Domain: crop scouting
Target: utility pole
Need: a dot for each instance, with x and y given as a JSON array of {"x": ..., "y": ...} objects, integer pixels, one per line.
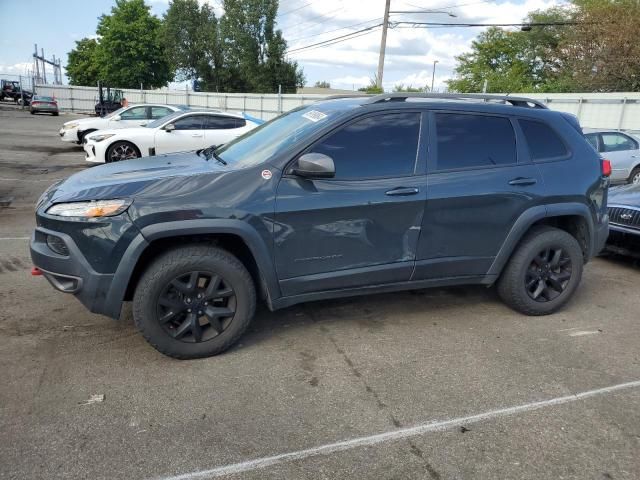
[
  {"x": 433, "y": 75},
  {"x": 383, "y": 44}
]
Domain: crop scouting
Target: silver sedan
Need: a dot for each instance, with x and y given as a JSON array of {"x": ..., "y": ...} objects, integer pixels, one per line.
[{"x": 622, "y": 150}]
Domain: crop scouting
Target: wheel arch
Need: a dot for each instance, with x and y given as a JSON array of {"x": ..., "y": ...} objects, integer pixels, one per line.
[
  {"x": 574, "y": 218},
  {"x": 235, "y": 236}
]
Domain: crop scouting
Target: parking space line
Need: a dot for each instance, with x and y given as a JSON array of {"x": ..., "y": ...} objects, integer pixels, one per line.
[
  {"x": 394, "y": 435},
  {"x": 581, "y": 333},
  {"x": 14, "y": 238},
  {"x": 2, "y": 179}
]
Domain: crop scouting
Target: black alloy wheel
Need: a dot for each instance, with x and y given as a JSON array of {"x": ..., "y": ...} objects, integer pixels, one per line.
[
  {"x": 196, "y": 306},
  {"x": 548, "y": 274}
]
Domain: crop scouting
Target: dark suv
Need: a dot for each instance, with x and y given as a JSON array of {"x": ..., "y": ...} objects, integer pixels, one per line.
[{"x": 347, "y": 196}]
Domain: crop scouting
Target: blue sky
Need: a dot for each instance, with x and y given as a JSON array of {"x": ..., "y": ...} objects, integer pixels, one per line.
[{"x": 349, "y": 64}]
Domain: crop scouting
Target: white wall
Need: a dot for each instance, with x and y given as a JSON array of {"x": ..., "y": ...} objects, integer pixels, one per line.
[{"x": 595, "y": 110}]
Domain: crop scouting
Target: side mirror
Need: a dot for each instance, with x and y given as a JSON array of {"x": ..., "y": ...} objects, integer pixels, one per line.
[
  {"x": 116, "y": 118},
  {"x": 314, "y": 165},
  {"x": 169, "y": 128}
]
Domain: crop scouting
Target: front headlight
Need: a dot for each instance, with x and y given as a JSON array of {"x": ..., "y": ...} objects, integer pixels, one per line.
[
  {"x": 93, "y": 209},
  {"x": 69, "y": 126},
  {"x": 99, "y": 138}
]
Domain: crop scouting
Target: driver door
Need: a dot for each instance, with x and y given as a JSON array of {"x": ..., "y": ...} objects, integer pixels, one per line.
[
  {"x": 187, "y": 135},
  {"x": 360, "y": 227}
]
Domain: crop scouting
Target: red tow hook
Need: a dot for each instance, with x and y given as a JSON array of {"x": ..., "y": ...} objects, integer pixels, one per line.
[{"x": 35, "y": 271}]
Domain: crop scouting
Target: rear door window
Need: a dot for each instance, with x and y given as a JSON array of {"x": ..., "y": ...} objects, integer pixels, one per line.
[
  {"x": 159, "y": 112},
  {"x": 543, "y": 142},
  {"x": 472, "y": 141},
  {"x": 377, "y": 146},
  {"x": 222, "y": 122},
  {"x": 617, "y": 142}
]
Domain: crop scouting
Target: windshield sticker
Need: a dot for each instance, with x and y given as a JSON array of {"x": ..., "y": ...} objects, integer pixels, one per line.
[{"x": 314, "y": 115}]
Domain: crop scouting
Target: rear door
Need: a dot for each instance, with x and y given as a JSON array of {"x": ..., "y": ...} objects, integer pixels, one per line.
[
  {"x": 220, "y": 129},
  {"x": 480, "y": 180},
  {"x": 360, "y": 227},
  {"x": 187, "y": 135}
]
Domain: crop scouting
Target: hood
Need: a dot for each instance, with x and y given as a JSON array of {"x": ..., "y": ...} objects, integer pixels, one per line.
[
  {"x": 81, "y": 121},
  {"x": 119, "y": 131},
  {"x": 625, "y": 195},
  {"x": 128, "y": 178}
]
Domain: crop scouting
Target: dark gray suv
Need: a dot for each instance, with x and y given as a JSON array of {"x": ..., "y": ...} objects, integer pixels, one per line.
[{"x": 344, "y": 197}]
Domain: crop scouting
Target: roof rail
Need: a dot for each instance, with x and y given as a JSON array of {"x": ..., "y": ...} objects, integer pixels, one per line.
[
  {"x": 515, "y": 101},
  {"x": 344, "y": 95}
]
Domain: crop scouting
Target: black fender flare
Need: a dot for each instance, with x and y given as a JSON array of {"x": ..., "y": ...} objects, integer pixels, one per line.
[
  {"x": 533, "y": 215},
  {"x": 148, "y": 234}
]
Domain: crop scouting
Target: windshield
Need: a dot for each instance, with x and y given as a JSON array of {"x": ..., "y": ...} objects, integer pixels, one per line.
[
  {"x": 163, "y": 120},
  {"x": 273, "y": 137}
]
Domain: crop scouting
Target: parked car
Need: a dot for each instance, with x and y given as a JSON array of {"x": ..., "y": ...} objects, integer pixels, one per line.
[
  {"x": 343, "y": 197},
  {"x": 41, "y": 103},
  {"x": 622, "y": 150},
  {"x": 126, "y": 117},
  {"x": 624, "y": 218},
  {"x": 180, "y": 131}
]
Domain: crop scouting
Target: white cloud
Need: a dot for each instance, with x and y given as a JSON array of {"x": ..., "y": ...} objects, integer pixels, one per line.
[{"x": 410, "y": 51}]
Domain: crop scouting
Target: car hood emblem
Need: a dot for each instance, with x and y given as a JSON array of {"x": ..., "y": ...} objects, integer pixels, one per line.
[{"x": 626, "y": 216}]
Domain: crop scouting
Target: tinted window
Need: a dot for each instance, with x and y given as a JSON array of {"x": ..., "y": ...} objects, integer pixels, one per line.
[
  {"x": 159, "y": 112},
  {"x": 134, "y": 113},
  {"x": 474, "y": 141},
  {"x": 191, "y": 122},
  {"x": 616, "y": 142},
  {"x": 220, "y": 122},
  {"x": 543, "y": 142},
  {"x": 593, "y": 140},
  {"x": 379, "y": 146}
]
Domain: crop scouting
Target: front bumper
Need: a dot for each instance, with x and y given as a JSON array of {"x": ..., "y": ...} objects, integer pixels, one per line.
[
  {"x": 72, "y": 273},
  {"x": 92, "y": 152},
  {"x": 70, "y": 135}
]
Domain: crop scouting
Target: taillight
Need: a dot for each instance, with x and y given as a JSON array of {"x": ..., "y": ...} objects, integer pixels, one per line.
[
  {"x": 606, "y": 168},
  {"x": 35, "y": 103}
]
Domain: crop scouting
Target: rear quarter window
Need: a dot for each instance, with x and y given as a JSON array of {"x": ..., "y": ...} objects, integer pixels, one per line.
[{"x": 543, "y": 142}]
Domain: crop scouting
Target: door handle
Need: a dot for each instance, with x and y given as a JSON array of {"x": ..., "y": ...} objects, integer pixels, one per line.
[
  {"x": 196, "y": 134},
  {"x": 402, "y": 191},
  {"x": 522, "y": 181}
]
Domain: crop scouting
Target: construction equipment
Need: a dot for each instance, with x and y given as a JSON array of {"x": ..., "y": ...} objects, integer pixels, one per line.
[{"x": 109, "y": 100}]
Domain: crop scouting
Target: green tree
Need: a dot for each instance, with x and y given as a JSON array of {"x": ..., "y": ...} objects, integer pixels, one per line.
[
  {"x": 129, "y": 52},
  {"x": 253, "y": 50},
  {"x": 602, "y": 52},
  {"x": 322, "y": 84},
  {"x": 372, "y": 87},
  {"x": 189, "y": 35},
  {"x": 514, "y": 61},
  {"x": 82, "y": 67}
]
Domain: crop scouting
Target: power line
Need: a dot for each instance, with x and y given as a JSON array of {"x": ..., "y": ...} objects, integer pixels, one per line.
[
  {"x": 345, "y": 37},
  {"x": 448, "y": 6},
  {"x": 336, "y": 30},
  {"x": 451, "y": 25},
  {"x": 294, "y": 10}
]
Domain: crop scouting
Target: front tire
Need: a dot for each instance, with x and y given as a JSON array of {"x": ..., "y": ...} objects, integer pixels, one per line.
[
  {"x": 121, "y": 151},
  {"x": 543, "y": 273},
  {"x": 194, "y": 302}
]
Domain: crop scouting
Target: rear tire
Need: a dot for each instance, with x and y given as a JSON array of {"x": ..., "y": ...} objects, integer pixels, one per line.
[
  {"x": 198, "y": 283},
  {"x": 634, "y": 178},
  {"x": 543, "y": 272},
  {"x": 55, "y": 114}
]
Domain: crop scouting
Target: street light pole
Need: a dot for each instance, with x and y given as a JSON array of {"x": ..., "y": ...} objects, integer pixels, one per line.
[{"x": 433, "y": 75}]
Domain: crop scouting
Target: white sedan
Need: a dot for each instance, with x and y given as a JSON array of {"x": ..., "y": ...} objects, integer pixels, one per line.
[
  {"x": 126, "y": 117},
  {"x": 178, "y": 132}
]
